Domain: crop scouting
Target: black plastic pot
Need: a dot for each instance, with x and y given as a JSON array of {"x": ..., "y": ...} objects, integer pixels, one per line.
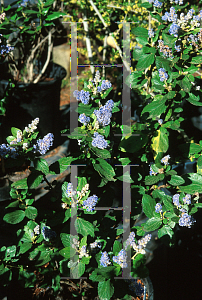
[{"x": 40, "y": 100}]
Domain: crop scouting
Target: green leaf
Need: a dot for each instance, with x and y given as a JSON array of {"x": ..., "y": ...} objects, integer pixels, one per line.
[
  {"x": 31, "y": 212},
  {"x": 176, "y": 180},
  {"x": 84, "y": 227},
  {"x": 191, "y": 189},
  {"x": 163, "y": 63},
  {"x": 168, "y": 39},
  {"x": 102, "y": 153},
  {"x": 14, "y": 217},
  {"x": 140, "y": 31},
  {"x": 24, "y": 247},
  {"x": 20, "y": 184},
  {"x": 195, "y": 100},
  {"x": 148, "y": 204},
  {"x": 165, "y": 230},
  {"x": 34, "y": 179},
  {"x": 55, "y": 15},
  {"x": 186, "y": 84},
  {"x": 124, "y": 161},
  {"x": 67, "y": 252},
  {"x": 160, "y": 142},
  {"x": 155, "y": 108},
  {"x": 105, "y": 290},
  {"x": 104, "y": 169},
  {"x": 168, "y": 204},
  {"x": 13, "y": 204},
  {"x": 145, "y": 61},
  {"x": 150, "y": 180},
  {"x": 41, "y": 164},
  {"x": 10, "y": 252},
  {"x": 95, "y": 277},
  {"x": 65, "y": 238},
  {"x": 196, "y": 60},
  {"x": 78, "y": 270},
  {"x": 152, "y": 224},
  {"x": 14, "y": 131},
  {"x": 126, "y": 178},
  {"x": 85, "y": 109},
  {"x": 133, "y": 143},
  {"x": 136, "y": 54},
  {"x": 10, "y": 138},
  {"x": 117, "y": 247}
]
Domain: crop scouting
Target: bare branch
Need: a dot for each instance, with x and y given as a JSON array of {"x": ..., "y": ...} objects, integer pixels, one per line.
[{"x": 50, "y": 47}]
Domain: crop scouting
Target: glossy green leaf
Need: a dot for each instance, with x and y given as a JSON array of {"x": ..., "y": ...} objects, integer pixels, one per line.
[
  {"x": 14, "y": 217},
  {"x": 31, "y": 212},
  {"x": 148, "y": 204},
  {"x": 152, "y": 224},
  {"x": 84, "y": 227},
  {"x": 105, "y": 290}
]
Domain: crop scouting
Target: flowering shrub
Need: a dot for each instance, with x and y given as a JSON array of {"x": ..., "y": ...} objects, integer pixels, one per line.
[{"x": 163, "y": 79}]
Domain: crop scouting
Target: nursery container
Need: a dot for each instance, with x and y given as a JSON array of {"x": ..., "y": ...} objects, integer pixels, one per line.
[{"x": 40, "y": 100}]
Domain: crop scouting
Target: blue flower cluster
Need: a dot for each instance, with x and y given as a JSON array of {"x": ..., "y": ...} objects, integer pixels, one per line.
[
  {"x": 83, "y": 96},
  {"x": 170, "y": 16},
  {"x": 99, "y": 141},
  {"x": 130, "y": 240},
  {"x": 84, "y": 119},
  {"x": 4, "y": 49},
  {"x": 106, "y": 84},
  {"x": 157, "y": 4},
  {"x": 167, "y": 52},
  {"x": 158, "y": 208},
  {"x": 162, "y": 74},
  {"x": 121, "y": 259},
  {"x": 180, "y": 2},
  {"x": 6, "y": 150},
  {"x": 187, "y": 199},
  {"x": 104, "y": 113},
  {"x": 90, "y": 203},
  {"x": 186, "y": 220},
  {"x": 160, "y": 121},
  {"x": 43, "y": 145},
  {"x": 177, "y": 47},
  {"x": 70, "y": 192},
  {"x": 174, "y": 29},
  {"x": 48, "y": 233},
  {"x": 151, "y": 33},
  {"x": 176, "y": 200},
  {"x": 104, "y": 260}
]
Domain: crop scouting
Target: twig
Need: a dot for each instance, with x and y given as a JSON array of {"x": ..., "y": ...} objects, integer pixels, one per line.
[
  {"x": 88, "y": 43},
  {"x": 31, "y": 57},
  {"x": 104, "y": 55},
  {"x": 50, "y": 47},
  {"x": 105, "y": 25}
]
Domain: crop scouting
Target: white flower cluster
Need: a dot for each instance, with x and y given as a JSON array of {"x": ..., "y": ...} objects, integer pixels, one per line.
[
  {"x": 83, "y": 191},
  {"x": 82, "y": 251},
  {"x": 36, "y": 229},
  {"x": 33, "y": 126},
  {"x": 141, "y": 244}
]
